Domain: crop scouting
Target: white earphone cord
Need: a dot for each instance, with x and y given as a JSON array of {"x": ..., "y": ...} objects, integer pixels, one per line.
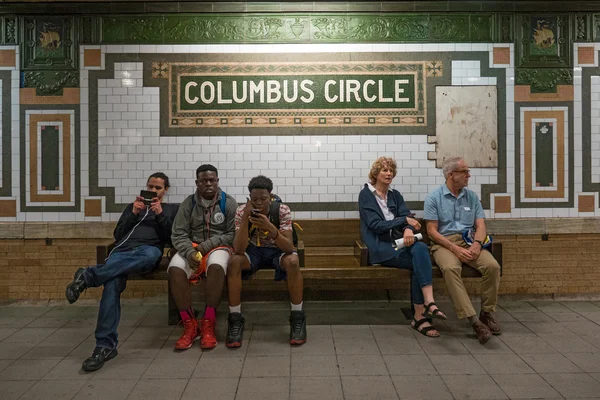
[{"x": 128, "y": 236}]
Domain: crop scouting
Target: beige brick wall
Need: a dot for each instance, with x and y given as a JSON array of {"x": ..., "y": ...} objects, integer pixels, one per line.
[{"x": 563, "y": 265}]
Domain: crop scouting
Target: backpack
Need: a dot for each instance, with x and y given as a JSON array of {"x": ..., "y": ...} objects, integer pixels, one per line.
[
  {"x": 274, "y": 217},
  {"x": 221, "y": 203}
]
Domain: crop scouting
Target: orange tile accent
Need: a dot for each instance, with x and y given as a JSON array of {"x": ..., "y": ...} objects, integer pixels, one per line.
[
  {"x": 70, "y": 96},
  {"x": 563, "y": 93},
  {"x": 8, "y": 58},
  {"x": 502, "y": 204},
  {"x": 92, "y": 58},
  {"x": 586, "y": 203},
  {"x": 585, "y": 55},
  {"x": 33, "y": 157},
  {"x": 560, "y": 157},
  {"x": 93, "y": 207},
  {"x": 501, "y": 55},
  {"x": 8, "y": 208}
]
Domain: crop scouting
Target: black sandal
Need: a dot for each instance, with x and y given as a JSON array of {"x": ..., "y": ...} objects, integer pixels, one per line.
[
  {"x": 437, "y": 313},
  {"x": 426, "y": 329}
]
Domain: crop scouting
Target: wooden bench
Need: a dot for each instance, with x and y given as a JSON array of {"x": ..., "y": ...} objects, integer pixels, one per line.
[{"x": 333, "y": 258}]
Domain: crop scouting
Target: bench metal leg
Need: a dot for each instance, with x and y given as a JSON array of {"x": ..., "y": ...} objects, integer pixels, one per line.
[{"x": 173, "y": 312}]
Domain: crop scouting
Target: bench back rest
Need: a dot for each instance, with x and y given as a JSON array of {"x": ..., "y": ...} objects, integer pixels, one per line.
[{"x": 336, "y": 232}]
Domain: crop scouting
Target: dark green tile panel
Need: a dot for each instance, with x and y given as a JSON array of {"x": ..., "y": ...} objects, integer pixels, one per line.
[
  {"x": 586, "y": 139},
  {"x": 544, "y": 80},
  {"x": 50, "y": 157},
  {"x": 544, "y": 161},
  {"x": 6, "y": 189},
  {"x": 300, "y": 28}
]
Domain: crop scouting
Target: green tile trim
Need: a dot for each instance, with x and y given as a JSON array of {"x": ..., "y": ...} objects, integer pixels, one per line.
[
  {"x": 10, "y": 32},
  {"x": 50, "y": 43},
  {"x": 586, "y": 138},
  {"x": 544, "y": 161},
  {"x": 569, "y": 176},
  {"x": 6, "y": 189},
  {"x": 299, "y": 28},
  {"x": 544, "y": 80},
  {"x": 50, "y": 83},
  {"x": 76, "y": 154}
]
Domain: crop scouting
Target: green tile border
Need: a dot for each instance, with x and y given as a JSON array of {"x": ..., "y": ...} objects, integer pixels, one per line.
[
  {"x": 76, "y": 151},
  {"x": 570, "y": 176},
  {"x": 586, "y": 129},
  {"x": 6, "y": 189}
]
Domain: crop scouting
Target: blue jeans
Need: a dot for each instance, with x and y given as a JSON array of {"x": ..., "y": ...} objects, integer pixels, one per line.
[
  {"x": 113, "y": 275},
  {"x": 417, "y": 259}
]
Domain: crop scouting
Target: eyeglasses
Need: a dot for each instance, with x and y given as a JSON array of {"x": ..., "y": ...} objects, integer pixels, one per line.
[{"x": 462, "y": 171}]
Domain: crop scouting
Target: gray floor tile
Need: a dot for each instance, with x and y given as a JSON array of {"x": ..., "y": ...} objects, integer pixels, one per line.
[
  {"x": 581, "y": 306},
  {"x": 55, "y": 390},
  {"x": 456, "y": 364},
  {"x": 549, "y": 328},
  {"x": 6, "y": 332},
  {"x": 565, "y": 316},
  {"x": 50, "y": 350},
  {"x": 164, "y": 389},
  {"x": 392, "y": 331},
  {"x": 549, "y": 305},
  {"x": 409, "y": 364},
  {"x": 167, "y": 350},
  {"x": 263, "y": 388},
  {"x": 149, "y": 334},
  {"x": 266, "y": 366},
  {"x": 5, "y": 363},
  {"x": 503, "y": 364},
  {"x": 537, "y": 316},
  {"x": 314, "y": 366},
  {"x": 123, "y": 368},
  {"x": 48, "y": 322},
  {"x": 315, "y": 347},
  {"x": 13, "y": 351},
  {"x": 81, "y": 351},
  {"x": 117, "y": 390},
  {"x": 27, "y": 370},
  {"x": 17, "y": 310},
  {"x": 316, "y": 332},
  {"x": 515, "y": 329},
  {"x": 550, "y": 363},
  {"x": 368, "y": 387},
  {"x": 581, "y": 328},
  {"x": 274, "y": 333},
  {"x": 362, "y": 365},
  {"x": 399, "y": 345},
  {"x": 363, "y": 345},
  {"x": 219, "y": 367},
  {"x": 280, "y": 347},
  {"x": 591, "y": 316},
  {"x": 83, "y": 322},
  {"x": 12, "y": 390},
  {"x": 70, "y": 335},
  {"x": 517, "y": 306},
  {"x": 525, "y": 386},
  {"x": 29, "y": 335},
  {"x": 442, "y": 345},
  {"x": 68, "y": 368},
  {"x": 473, "y": 387},
  {"x": 323, "y": 388},
  {"x": 352, "y": 331},
  {"x": 527, "y": 344},
  {"x": 170, "y": 368},
  {"x": 492, "y": 346},
  {"x": 15, "y": 322},
  {"x": 139, "y": 349},
  {"x": 573, "y": 385},
  {"x": 223, "y": 351},
  {"x": 588, "y": 362},
  {"x": 211, "y": 388},
  {"x": 421, "y": 387},
  {"x": 568, "y": 343}
]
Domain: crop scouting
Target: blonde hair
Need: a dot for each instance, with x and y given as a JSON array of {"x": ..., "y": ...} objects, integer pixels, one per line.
[{"x": 380, "y": 164}]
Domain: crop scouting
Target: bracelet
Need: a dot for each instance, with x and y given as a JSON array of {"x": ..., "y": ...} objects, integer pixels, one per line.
[
  {"x": 480, "y": 242},
  {"x": 275, "y": 238}
]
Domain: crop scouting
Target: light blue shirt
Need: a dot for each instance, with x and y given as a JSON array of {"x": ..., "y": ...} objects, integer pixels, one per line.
[{"x": 454, "y": 214}]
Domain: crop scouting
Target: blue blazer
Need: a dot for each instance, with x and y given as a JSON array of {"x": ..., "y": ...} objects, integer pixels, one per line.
[{"x": 374, "y": 229}]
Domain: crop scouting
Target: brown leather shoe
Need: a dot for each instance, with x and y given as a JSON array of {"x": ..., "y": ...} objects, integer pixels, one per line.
[
  {"x": 482, "y": 332},
  {"x": 488, "y": 319}
]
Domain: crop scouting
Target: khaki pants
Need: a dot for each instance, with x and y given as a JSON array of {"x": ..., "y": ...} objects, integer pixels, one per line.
[{"x": 451, "y": 268}]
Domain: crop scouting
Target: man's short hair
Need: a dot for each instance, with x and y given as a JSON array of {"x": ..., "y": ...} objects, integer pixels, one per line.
[
  {"x": 206, "y": 167},
  {"x": 162, "y": 176},
  {"x": 450, "y": 165},
  {"x": 260, "y": 182},
  {"x": 378, "y": 165}
]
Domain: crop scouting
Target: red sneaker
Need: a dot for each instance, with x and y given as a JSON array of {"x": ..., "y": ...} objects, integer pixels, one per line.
[
  {"x": 208, "y": 340},
  {"x": 190, "y": 335}
]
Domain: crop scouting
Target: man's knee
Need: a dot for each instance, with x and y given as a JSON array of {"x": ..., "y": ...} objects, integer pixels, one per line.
[
  {"x": 216, "y": 269},
  {"x": 236, "y": 264},
  {"x": 454, "y": 268},
  {"x": 492, "y": 268},
  {"x": 290, "y": 263},
  {"x": 116, "y": 285}
]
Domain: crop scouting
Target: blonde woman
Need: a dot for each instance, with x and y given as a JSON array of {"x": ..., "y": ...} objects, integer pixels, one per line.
[{"x": 384, "y": 217}]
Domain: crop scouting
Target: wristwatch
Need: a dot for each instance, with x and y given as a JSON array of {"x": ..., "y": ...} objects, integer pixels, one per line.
[{"x": 480, "y": 242}]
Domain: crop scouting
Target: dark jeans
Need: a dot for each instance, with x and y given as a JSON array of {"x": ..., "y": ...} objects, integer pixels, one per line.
[
  {"x": 417, "y": 259},
  {"x": 113, "y": 275}
]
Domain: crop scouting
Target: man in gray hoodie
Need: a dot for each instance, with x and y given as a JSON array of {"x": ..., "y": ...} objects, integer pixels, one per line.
[{"x": 202, "y": 234}]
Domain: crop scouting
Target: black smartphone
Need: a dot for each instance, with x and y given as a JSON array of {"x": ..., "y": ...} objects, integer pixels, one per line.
[
  {"x": 148, "y": 196},
  {"x": 255, "y": 213}
]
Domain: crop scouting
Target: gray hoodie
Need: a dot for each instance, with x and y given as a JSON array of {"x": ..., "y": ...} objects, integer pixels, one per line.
[{"x": 190, "y": 225}]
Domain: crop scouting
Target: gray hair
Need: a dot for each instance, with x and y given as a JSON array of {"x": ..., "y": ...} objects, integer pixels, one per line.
[{"x": 450, "y": 165}]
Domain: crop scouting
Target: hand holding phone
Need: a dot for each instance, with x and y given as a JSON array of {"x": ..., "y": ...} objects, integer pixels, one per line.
[{"x": 147, "y": 196}]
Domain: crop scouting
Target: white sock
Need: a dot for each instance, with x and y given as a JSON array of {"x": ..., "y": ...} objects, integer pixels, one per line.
[
  {"x": 297, "y": 307},
  {"x": 237, "y": 308}
]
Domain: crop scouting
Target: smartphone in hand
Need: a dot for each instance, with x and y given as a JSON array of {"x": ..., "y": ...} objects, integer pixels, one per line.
[{"x": 148, "y": 196}]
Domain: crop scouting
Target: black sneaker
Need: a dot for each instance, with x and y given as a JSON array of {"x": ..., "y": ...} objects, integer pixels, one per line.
[
  {"x": 99, "y": 356},
  {"x": 76, "y": 287},
  {"x": 235, "y": 330},
  {"x": 297, "y": 328}
]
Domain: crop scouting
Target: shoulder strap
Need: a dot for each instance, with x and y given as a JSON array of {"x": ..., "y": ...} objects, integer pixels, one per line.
[
  {"x": 223, "y": 202},
  {"x": 193, "y": 205},
  {"x": 274, "y": 213}
]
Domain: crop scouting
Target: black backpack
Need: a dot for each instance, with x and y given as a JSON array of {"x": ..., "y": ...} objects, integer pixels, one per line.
[{"x": 274, "y": 217}]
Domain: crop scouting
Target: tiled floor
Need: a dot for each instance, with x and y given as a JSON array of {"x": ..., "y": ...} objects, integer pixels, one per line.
[{"x": 548, "y": 350}]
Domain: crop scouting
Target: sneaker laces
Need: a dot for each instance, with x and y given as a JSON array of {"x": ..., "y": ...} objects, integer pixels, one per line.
[
  {"x": 235, "y": 327},
  {"x": 297, "y": 324}
]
